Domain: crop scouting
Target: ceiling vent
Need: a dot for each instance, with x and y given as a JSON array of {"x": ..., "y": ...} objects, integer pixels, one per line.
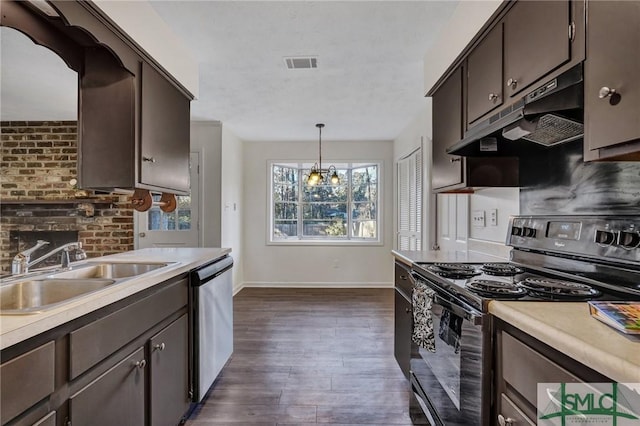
[{"x": 301, "y": 62}]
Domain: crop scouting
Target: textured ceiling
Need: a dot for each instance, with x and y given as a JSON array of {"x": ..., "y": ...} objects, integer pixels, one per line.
[{"x": 368, "y": 84}]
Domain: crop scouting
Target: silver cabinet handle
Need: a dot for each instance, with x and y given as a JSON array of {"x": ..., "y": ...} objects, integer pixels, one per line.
[
  {"x": 453, "y": 160},
  {"x": 149, "y": 159},
  {"x": 141, "y": 364},
  {"x": 505, "y": 422},
  {"x": 512, "y": 83},
  {"x": 605, "y": 92},
  {"x": 493, "y": 97},
  {"x": 160, "y": 347}
]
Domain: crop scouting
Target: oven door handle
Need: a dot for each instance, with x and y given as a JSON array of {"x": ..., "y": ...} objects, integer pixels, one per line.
[{"x": 460, "y": 309}]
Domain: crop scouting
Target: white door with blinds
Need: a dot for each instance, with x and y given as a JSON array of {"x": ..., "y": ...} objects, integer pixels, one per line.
[{"x": 410, "y": 174}]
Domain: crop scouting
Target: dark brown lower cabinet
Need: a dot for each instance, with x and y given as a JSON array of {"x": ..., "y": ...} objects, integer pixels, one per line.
[
  {"x": 402, "y": 332},
  {"x": 169, "y": 382},
  {"x": 115, "y": 398},
  {"x": 127, "y": 364},
  {"x": 521, "y": 362}
]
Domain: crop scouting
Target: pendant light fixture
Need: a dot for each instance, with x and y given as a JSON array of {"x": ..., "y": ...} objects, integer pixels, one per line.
[{"x": 316, "y": 175}]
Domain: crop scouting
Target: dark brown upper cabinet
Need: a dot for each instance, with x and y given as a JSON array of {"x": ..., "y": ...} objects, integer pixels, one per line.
[
  {"x": 537, "y": 40},
  {"x": 133, "y": 117},
  {"x": 452, "y": 173},
  {"x": 484, "y": 76},
  {"x": 447, "y": 130},
  {"x": 612, "y": 86}
]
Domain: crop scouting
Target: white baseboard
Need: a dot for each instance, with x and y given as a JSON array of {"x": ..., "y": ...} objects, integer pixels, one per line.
[{"x": 265, "y": 284}]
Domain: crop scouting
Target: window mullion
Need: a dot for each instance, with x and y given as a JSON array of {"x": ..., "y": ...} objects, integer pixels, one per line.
[
  {"x": 349, "y": 201},
  {"x": 300, "y": 219}
]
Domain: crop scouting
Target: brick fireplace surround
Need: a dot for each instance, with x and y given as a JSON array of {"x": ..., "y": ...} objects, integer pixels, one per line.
[{"x": 38, "y": 160}]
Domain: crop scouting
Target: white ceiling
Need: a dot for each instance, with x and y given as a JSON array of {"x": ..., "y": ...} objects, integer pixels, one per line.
[{"x": 368, "y": 85}]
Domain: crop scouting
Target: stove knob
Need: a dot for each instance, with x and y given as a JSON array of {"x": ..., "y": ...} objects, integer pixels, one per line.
[
  {"x": 516, "y": 230},
  {"x": 628, "y": 240},
  {"x": 528, "y": 232},
  {"x": 604, "y": 237}
]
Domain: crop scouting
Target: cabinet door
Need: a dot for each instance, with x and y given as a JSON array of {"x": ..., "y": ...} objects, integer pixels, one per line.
[
  {"x": 484, "y": 76},
  {"x": 164, "y": 133},
  {"x": 169, "y": 385},
  {"x": 115, "y": 398},
  {"x": 402, "y": 332},
  {"x": 613, "y": 37},
  {"x": 536, "y": 41},
  {"x": 447, "y": 130}
]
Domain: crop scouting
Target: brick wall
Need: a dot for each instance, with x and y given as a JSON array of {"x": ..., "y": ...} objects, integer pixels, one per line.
[{"x": 38, "y": 161}]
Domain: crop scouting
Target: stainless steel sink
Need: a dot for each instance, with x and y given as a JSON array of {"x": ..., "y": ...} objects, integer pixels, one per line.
[
  {"x": 110, "y": 270},
  {"x": 32, "y": 296}
]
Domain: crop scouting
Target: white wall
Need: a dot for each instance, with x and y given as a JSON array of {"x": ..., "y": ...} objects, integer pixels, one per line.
[
  {"x": 299, "y": 265},
  {"x": 231, "y": 202},
  {"x": 417, "y": 133},
  {"x": 206, "y": 139}
]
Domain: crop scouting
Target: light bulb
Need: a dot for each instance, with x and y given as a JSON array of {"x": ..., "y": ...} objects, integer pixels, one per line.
[{"x": 335, "y": 179}]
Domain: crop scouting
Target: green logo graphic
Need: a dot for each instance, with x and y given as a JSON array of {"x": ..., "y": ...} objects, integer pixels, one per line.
[{"x": 562, "y": 404}]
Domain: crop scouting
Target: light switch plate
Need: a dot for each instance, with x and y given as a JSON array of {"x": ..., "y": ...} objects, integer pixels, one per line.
[
  {"x": 478, "y": 219},
  {"x": 493, "y": 217}
]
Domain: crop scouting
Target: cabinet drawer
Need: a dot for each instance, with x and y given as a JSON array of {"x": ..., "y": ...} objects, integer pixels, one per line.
[
  {"x": 115, "y": 398},
  {"x": 26, "y": 380},
  {"x": 523, "y": 368},
  {"x": 403, "y": 280},
  {"x": 509, "y": 410},
  {"x": 96, "y": 341}
]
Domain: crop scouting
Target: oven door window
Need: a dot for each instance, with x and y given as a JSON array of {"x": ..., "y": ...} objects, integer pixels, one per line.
[{"x": 444, "y": 363}]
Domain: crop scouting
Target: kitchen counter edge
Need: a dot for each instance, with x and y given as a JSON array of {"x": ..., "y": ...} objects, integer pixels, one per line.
[
  {"x": 569, "y": 328},
  {"x": 18, "y": 328}
]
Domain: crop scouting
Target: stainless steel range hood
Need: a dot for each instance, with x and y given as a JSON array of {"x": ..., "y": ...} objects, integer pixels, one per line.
[{"x": 549, "y": 115}]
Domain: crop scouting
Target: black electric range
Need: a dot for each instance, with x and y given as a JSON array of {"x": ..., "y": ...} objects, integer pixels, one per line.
[
  {"x": 557, "y": 258},
  {"x": 554, "y": 258}
]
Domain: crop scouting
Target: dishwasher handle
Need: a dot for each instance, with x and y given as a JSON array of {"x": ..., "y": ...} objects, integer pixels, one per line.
[{"x": 204, "y": 275}]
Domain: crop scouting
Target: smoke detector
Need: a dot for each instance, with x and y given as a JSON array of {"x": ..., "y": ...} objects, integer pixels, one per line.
[{"x": 301, "y": 62}]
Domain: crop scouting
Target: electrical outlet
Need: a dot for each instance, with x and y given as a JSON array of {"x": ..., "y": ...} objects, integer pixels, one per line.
[
  {"x": 477, "y": 219},
  {"x": 493, "y": 217}
]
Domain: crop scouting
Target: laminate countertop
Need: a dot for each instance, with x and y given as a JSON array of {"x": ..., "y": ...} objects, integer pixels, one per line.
[
  {"x": 569, "y": 328},
  {"x": 17, "y": 328}
]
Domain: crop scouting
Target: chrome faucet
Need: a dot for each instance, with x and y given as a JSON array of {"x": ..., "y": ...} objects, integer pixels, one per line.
[{"x": 21, "y": 262}]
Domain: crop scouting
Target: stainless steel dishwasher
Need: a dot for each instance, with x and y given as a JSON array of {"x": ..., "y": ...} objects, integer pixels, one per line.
[{"x": 212, "y": 303}]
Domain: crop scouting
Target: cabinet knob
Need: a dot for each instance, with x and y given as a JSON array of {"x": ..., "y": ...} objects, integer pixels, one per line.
[
  {"x": 149, "y": 159},
  {"x": 407, "y": 310},
  {"x": 159, "y": 347},
  {"x": 142, "y": 234},
  {"x": 141, "y": 364},
  {"x": 512, "y": 82},
  {"x": 493, "y": 97},
  {"x": 454, "y": 160},
  {"x": 605, "y": 92},
  {"x": 505, "y": 422}
]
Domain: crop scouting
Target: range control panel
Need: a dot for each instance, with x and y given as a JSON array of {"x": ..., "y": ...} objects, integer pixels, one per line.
[{"x": 593, "y": 236}]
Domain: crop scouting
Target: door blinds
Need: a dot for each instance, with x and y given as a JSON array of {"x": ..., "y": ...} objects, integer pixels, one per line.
[{"x": 409, "y": 233}]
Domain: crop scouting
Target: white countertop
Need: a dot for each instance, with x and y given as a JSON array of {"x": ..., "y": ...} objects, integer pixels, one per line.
[
  {"x": 408, "y": 257},
  {"x": 569, "y": 328},
  {"x": 17, "y": 328}
]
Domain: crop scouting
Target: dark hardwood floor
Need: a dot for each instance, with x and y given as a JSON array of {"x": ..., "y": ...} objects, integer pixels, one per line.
[{"x": 309, "y": 356}]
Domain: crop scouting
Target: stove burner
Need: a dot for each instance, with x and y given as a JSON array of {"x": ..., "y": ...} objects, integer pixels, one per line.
[
  {"x": 552, "y": 289},
  {"x": 493, "y": 288},
  {"x": 501, "y": 269},
  {"x": 453, "y": 270}
]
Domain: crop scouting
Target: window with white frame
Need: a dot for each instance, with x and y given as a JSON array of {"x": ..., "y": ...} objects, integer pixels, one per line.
[{"x": 348, "y": 211}]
